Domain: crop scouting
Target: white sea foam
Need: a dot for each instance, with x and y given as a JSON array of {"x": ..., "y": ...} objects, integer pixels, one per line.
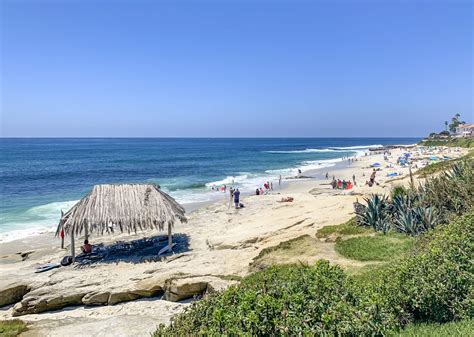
[
  {"x": 302, "y": 151},
  {"x": 229, "y": 180},
  {"x": 24, "y": 233},
  {"x": 329, "y": 149},
  {"x": 358, "y": 147},
  {"x": 34, "y": 221}
]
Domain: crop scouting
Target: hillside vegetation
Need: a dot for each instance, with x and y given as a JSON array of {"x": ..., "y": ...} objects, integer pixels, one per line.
[
  {"x": 420, "y": 277},
  {"x": 451, "y": 142},
  {"x": 433, "y": 284}
]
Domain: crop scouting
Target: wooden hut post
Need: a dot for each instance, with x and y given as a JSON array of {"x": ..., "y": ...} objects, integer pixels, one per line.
[
  {"x": 86, "y": 230},
  {"x": 73, "y": 249},
  {"x": 170, "y": 237},
  {"x": 62, "y": 231}
]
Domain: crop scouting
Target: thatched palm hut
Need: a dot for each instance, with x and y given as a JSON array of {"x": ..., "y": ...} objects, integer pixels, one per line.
[{"x": 128, "y": 207}]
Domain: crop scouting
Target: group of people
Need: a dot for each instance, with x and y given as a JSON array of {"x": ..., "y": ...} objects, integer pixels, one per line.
[
  {"x": 267, "y": 187},
  {"x": 235, "y": 196},
  {"x": 222, "y": 188},
  {"x": 341, "y": 184}
]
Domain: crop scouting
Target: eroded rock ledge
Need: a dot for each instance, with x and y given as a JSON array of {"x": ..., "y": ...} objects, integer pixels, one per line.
[{"x": 54, "y": 296}]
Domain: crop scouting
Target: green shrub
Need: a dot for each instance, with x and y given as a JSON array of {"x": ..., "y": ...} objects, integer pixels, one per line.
[
  {"x": 451, "y": 142},
  {"x": 284, "y": 300},
  {"x": 435, "y": 283},
  {"x": 12, "y": 328},
  {"x": 451, "y": 193},
  {"x": 419, "y": 209},
  {"x": 398, "y": 191},
  {"x": 375, "y": 248}
]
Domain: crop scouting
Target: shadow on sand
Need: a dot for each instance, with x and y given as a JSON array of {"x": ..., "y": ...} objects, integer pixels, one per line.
[{"x": 136, "y": 251}]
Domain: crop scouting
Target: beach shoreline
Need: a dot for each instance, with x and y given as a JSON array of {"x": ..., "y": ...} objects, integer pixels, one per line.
[
  {"x": 223, "y": 242},
  {"x": 47, "y": 238}
]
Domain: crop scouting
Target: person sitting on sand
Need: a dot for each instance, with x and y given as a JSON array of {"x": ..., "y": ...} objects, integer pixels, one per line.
[
  {"x": 257, "y": 192},
  {"x": 86, "y": 247}
]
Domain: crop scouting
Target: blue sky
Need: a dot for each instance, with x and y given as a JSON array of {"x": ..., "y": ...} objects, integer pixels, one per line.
[{"x": 234, "y": 68}]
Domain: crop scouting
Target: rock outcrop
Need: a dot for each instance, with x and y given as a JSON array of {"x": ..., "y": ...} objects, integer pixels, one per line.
[
  {"x": 12, "y": 292},
  {"x": 54, "y": 296},
  {"x": 178, "y": 289}
]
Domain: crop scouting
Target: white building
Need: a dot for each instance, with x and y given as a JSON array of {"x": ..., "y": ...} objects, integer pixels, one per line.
[{"x": 464, "y": 130}]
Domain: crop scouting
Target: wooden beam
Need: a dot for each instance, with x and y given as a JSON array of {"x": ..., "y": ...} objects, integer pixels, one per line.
[
  {"x": 86, "y": 231},
  {"x": 170, "y": 237},
  {"x": 73, "y": 252}
]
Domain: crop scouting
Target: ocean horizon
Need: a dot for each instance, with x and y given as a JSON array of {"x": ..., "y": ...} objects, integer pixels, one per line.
[{"x": 42, "y": 176}]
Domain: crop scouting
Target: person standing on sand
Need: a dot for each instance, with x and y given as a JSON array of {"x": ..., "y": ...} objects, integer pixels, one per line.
[
  {"x": 237, "y": 198},
  {"x": 279, "y": 181},
  {"x": 271, "y": 185},
  {"x": 327, "y": 175},
  {"x": 354, "y": 179},
  {"x": 231, "y": 192}
]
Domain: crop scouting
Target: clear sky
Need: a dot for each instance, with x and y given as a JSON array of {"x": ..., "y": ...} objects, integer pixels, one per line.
[{"x": 234, "y": 68}]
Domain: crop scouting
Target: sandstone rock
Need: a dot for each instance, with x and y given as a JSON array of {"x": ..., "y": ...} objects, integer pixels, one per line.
[
  {"x": 151, "y": 286},
  {"x": 97, "y": 298},
  {"x": 35, "y": 304},
  {"x": 122, "y": 296},
  {"x": 11, "y": 293},
  {"x": 178, "y": 289}
]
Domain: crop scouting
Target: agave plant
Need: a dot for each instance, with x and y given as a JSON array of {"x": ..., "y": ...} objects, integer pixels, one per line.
[
  {"x": 375, "y": 214},
  {"x": 406, "y": 223},
  {"x": 457, "y": 171},
  {"x": 403, "y": 203},
  {"x": 427, "y": 217}
]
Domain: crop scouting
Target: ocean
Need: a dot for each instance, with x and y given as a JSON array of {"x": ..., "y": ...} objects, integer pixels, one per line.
[{"x": 41, "y": 177}]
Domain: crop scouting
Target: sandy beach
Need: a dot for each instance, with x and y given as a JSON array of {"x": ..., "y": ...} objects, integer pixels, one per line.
[{"x": 223, "y": 242}]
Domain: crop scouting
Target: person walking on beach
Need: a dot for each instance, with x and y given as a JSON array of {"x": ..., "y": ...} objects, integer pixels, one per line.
[
  {"x": 231, "y": 192},
  {"x": 327, "y": 175},
  {"x": 279, "y": 181},
  {"x": 354, "y": 179},
  {"x": 237, "y": 198},
  {"x": 271, "y": 185}
]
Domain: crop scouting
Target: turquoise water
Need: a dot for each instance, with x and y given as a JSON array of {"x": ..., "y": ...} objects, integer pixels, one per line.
[{"x": 39, "y": 177}]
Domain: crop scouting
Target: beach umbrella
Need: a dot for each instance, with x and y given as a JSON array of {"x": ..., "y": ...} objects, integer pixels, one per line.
[
  {"x": 375, "y": 165},
  {"x": 126, "y": 207}
]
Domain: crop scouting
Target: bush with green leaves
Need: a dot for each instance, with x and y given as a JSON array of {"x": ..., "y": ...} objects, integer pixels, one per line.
[
  {"x": 285, "y": 301},
  {"x": 418, "y": 209},
  {"x": 434, "y": 283},
  {"x": 450, "y": 193}
]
